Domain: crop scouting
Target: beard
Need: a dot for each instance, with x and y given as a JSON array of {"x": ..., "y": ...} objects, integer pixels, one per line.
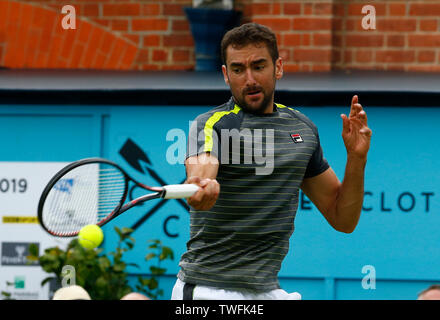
[{"x": 254, "y": 109}]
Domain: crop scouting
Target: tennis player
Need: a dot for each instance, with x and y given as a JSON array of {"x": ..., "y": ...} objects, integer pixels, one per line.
[{"x": 241, "y": 220}]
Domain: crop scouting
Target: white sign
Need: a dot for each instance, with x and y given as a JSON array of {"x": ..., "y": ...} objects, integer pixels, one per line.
[{"x": 21, "y": 185}]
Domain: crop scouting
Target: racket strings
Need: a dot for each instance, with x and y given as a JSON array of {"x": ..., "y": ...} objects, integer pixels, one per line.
[{"x": 85, "y": 195}]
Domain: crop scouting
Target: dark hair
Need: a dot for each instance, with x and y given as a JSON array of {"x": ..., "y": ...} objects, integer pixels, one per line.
[{"x": 250, "y": 33}]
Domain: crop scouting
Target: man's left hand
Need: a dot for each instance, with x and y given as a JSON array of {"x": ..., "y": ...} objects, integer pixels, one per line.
[{"x": 355, "y": 131}]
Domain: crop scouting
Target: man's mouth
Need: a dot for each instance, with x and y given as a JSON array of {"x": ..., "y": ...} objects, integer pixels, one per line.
[{"x": 253, "y": 93}]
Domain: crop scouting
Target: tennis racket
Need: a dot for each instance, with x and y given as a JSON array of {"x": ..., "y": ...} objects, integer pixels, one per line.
[{"x": 94, "y": 191}]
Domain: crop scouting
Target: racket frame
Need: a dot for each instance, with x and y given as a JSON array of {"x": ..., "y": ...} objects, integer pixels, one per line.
[{"x": 158, "y": 193}]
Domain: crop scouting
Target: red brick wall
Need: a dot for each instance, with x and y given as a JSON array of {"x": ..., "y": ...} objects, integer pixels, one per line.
[
  {"x": 314, "y": 35},
  {"x": 110, "y": 34},
  {"x": 303, "y": 29},
  {"x": 407, "y": 36},
  {"x": 328, "y": 35}
]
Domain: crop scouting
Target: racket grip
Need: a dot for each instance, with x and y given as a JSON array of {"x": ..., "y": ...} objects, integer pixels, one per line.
[{"x": 177, "y": 191}]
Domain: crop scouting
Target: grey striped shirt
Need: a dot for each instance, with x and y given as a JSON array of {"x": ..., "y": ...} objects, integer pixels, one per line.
[{"x": 242, "y": 241}]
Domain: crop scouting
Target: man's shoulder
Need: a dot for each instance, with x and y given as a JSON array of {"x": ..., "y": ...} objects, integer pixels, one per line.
[
  {"x": 295, "y": 113},
  {"x": 215, "y": 114}
]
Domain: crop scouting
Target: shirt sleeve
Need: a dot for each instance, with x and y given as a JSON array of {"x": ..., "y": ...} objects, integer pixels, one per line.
[
  {"x": 203, "y": 137},
  {"x": 317, "y": 164}
]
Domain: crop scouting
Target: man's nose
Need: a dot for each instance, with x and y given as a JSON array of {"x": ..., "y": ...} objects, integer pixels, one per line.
[{"x": 250, "y": 80}]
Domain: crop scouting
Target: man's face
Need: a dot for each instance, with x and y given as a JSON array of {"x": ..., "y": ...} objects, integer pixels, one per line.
[{"x": 251, "y": 75}]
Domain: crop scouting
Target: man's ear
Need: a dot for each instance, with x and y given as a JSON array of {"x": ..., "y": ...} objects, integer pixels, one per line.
[
  {"x": 279, "y": 68},
  {"x": 225, "y": 74}
]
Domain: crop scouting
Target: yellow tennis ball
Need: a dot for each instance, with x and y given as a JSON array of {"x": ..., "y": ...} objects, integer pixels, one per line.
[{"x": 90, "y": 236}]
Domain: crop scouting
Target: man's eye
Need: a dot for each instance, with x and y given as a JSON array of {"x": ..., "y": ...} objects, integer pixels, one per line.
[
  {"x": 236, "y": 70},
  {"x": 260, "y": 67}
]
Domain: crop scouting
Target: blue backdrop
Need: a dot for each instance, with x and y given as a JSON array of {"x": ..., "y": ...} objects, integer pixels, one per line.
[{"x": 397, "y": 238}]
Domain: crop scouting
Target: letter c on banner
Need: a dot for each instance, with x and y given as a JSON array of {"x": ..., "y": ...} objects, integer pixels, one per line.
[{"x": 165, "y": 227}]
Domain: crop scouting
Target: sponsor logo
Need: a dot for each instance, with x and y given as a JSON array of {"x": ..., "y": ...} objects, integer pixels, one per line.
[
  {"x": 22, "y": 219},
  {"x": 139, "y": 160},
  {"x": 19, "y": 295},
  {"x": 296, "y": 137},
  {"x": 19, "y": 291},
  {"x": 19, "y": 282},
  {"x": 15, "y": 254},
  {"x": 64, "y": 185}
]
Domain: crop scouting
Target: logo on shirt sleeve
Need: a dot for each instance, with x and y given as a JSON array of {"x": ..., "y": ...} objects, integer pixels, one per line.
[{"x": 296, "y": 137}]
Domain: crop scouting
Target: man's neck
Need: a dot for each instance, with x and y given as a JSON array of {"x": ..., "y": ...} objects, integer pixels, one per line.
[{"x": 271, "y": 108}]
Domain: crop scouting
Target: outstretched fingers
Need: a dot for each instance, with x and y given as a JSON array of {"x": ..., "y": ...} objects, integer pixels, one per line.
[
  {"x": 345, "y": 124},
  {"x": 360, "y": 126},
  {"x": 354, "y": 107}
]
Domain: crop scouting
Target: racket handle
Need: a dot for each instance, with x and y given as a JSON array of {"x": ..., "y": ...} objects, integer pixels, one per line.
[{"x": 177, "y": 191}]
